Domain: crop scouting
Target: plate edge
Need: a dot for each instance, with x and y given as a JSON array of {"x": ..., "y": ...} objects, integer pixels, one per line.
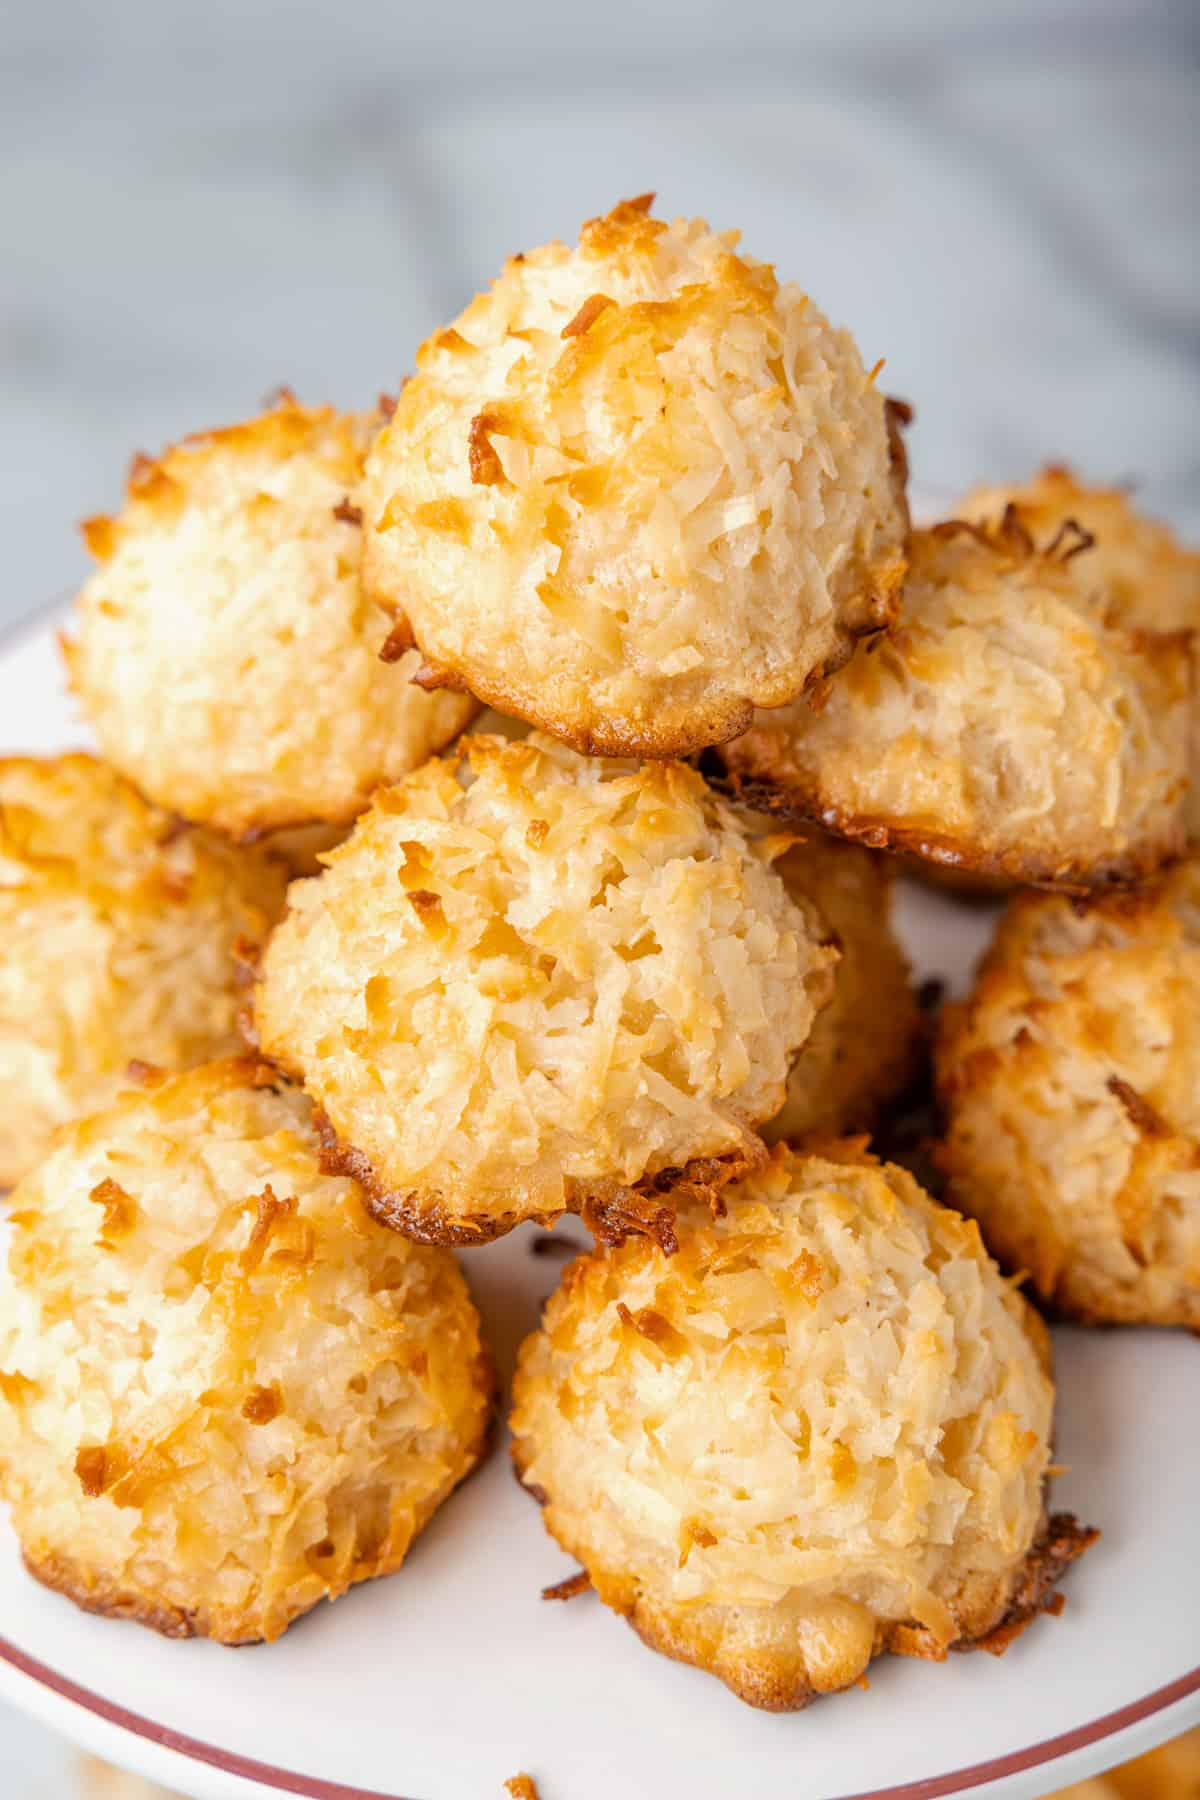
[{"x": 289, "y": 1781}]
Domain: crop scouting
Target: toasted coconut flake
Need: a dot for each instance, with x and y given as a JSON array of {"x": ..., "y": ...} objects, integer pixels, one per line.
[
  {"x": 282, "y": 1416},
  {"x": 502, "y": 1022},
  {"x": 1069, "y": 1081},
  {"x": 638, "y": 488},
  {"x": 569, "y": 1588},
  {"x": 116, "y": 934},
  {"x": 1009, "y": 729},
  {"x": 778, "y": 1478},
  {"x": 244, "y": 545}
]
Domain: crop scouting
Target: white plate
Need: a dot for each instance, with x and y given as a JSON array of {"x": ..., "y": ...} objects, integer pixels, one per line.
[{"x": 438, "y": 1684}]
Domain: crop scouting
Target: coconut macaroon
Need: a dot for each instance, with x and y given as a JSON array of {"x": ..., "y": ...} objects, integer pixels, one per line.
[
  {"x": 117, "y": 931},
  {"x": 864, "y": 1048},
  {"x": 1070, "y": 1081},
  {"x": 1151, "y": 581},
  {"x": 637, "y": 488},
  {"x": 1009, "y": 727},
  {"x": 226, "y": 655},
  {"x": 226, "y": 1393},
  {"x": 819, "y": 1432},
  {"x": 532, "y": 982}
]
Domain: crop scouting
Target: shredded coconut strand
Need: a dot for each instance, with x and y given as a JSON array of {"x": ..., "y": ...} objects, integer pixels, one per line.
[{"x": 527, "y": 971}]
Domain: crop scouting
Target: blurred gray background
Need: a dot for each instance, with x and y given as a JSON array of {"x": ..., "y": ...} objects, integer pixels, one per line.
[{"x": 201, "y": 201}]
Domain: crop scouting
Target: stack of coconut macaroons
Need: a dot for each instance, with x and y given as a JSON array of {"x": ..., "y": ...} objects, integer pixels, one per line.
[{"x": 619, "y": 948}]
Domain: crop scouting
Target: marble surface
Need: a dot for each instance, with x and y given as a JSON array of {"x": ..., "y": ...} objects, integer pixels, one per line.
[{"x": 201, "y": 202}]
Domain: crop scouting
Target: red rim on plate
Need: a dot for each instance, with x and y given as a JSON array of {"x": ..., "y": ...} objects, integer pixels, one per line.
[{"x": 287, "y": 1781}]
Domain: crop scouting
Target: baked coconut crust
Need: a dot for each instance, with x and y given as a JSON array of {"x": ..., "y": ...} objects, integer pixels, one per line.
[
  {"x": 1013, "y": 728},
  {"x": 636, "y": 489}
]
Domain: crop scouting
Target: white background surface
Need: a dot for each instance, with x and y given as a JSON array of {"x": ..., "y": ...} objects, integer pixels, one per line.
[{"x": 199, "y": 201}]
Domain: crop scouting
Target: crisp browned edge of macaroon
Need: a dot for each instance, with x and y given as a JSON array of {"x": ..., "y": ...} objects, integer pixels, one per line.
[
  {"x": 621, "y": 738},
  {"x": 1060, "y": 1541},
  {"x": 610, "y": 737},
  {"x": 94, "y": 1591},
  {"x": 765, "y": 778},
  {"x": 628, "y": 227},
  {"x": 1000, "y": 870},
  {"x": 108, "y": 1599},
  {"x": 611, "y": 1210}
]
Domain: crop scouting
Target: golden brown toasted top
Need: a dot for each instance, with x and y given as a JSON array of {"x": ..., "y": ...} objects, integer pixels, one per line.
[
  {"x": 527, "y": 971},
  {"x": 1150, "y": 578}
]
